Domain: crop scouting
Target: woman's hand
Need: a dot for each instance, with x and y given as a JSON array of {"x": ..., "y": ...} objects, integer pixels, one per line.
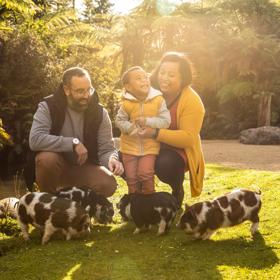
[{"x": 147, "y": 132}]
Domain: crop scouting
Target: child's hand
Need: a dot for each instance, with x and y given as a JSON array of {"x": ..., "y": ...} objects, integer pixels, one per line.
[
  {"x": 133, "y": 130},
  {"x": 140, "y": 122},
  {"x": 147, "y": 132}
]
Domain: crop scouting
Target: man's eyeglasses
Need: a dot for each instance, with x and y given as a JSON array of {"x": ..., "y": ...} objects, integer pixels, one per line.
[{"x": 81, "y": 91}]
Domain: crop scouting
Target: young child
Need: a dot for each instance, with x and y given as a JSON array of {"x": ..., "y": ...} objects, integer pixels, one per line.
[{"x": 141, "y": 106}]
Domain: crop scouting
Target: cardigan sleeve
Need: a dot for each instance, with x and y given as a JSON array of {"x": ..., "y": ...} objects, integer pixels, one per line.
[{"x": 190, "y": 118}]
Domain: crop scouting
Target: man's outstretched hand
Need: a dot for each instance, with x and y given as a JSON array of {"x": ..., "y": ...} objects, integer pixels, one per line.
[{"x": 115, "y": 166}]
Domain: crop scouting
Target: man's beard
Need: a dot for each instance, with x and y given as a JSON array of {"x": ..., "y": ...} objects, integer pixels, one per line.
[{"x": 76, "y": 105}]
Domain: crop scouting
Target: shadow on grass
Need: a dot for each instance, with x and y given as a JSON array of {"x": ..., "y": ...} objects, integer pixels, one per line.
[
  {"x": 175, "y": 256},
  {"x": 118, "y": 254},
  {"x": 238, "y": 252}
]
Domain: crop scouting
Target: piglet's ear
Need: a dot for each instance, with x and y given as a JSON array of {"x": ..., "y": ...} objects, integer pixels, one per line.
[{"x": 84, "y": 219}]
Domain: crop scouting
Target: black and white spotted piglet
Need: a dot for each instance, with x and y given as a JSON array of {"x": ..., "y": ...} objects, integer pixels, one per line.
[
  {"x": 100, "y": 208},
  {"x": 204, "y": 218},
  {"x": 50, "y": 213},
  {"x": 149, "y": 209}
]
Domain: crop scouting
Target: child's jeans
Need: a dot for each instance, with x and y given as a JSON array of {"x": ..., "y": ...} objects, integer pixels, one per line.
[{"x": 139, "y": 173}]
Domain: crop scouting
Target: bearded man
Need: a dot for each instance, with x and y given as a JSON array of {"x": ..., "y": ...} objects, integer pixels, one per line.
[{"x": 72, "y": 135}]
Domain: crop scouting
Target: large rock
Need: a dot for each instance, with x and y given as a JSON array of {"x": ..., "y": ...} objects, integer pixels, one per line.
[{"x": 265, "y": 135}]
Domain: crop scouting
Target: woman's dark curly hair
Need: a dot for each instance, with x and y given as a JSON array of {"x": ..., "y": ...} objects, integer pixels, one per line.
[{"x": 185, "y": 68}]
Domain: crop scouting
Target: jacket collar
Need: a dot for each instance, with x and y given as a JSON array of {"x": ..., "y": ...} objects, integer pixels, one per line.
[{"x": 152, "y": 94}]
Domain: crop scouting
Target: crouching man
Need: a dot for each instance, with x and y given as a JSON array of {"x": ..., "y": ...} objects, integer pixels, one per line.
[{"x": 71, "y": 134}]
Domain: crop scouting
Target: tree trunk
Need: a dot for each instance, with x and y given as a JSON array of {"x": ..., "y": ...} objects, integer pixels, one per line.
[
  {"x": 125, "y": 60},
  {"x": 264, "y": 113},
  {"x": 137, "y": 51}
]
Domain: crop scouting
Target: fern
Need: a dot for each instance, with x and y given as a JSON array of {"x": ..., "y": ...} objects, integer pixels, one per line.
[
  {"x": 5, "y": 138},
  {"x": 235, "y": 89}
]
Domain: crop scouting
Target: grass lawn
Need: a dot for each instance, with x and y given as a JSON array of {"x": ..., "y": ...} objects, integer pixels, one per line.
[{"x": 112, "y": 252}]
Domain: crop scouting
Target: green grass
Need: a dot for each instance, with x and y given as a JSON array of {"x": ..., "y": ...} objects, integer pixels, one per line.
[{"x": 112, "y": 252}]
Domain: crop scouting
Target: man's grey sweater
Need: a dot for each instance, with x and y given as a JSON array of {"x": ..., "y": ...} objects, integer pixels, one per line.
[{"x": 40, "y": 138}]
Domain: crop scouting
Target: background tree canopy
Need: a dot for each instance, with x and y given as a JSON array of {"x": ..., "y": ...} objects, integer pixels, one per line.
[{"x": 233, "y": 44}]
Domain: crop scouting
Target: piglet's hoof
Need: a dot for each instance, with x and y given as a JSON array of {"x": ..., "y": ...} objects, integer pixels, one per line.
[
  {"x": 136, "y": 231},
  {"x": 44, "y": 242},
  {"x": 160, "y": 233},
  {"x": 26, "y": 238}
]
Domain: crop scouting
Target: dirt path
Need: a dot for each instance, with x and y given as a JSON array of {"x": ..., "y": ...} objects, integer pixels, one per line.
[{"x": 234, "y": 154}]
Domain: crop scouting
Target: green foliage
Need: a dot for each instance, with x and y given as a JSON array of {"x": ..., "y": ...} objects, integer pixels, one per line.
[
  {"x": 238, "y": 108},
  {"x": 26, "y": 7},
  {"x": 236, "y": 58},
  {"x": 15, "y": 12},
  {"x": 104, "y": 78},
  {"x": 8, "y": 226},
  {"x": 17, "y": 80},
  {"x": 235, "y": 89},
  {"x": 88, "y": 12},
  {"x": 102, "y": 6},
  {"x": 5, "y": 138},
  {"x": 262, "y": 15},
  {"x": 97, "y": 12},
  {"x": 27, "y": 73}
]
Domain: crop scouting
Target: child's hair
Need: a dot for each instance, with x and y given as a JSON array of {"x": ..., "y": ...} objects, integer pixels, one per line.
[{"x": 125, "y": 76}]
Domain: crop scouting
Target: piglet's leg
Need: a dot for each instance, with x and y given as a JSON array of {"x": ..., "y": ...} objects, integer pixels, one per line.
[
  {"x": 162, "y": 226},
  {"x": 24, "y": 230},
  {"x": 254, "y": 228},
  {"x": 197, "y": 235},
  {"x": 169, "y": 221},
  {"x": 255, "y": 224},
  {"x": 207, "y": 235},
  {"x": 68, "y": 236},
  {"x": 140, "y": 225},
  {"x": 49, "y": 231},
  {"x": 137, "y": 230}
]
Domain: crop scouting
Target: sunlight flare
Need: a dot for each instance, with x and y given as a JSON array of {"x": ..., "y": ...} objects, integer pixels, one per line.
[
  {"x": 89, "y": 244},
  {"x": 72, "y": 271}
]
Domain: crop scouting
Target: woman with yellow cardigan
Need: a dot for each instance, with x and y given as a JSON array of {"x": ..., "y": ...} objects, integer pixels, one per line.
[{"x": 180, "y": 144}]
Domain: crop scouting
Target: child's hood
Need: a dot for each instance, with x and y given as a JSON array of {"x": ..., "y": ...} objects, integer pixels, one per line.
[{"x": 152, "y": 94}]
